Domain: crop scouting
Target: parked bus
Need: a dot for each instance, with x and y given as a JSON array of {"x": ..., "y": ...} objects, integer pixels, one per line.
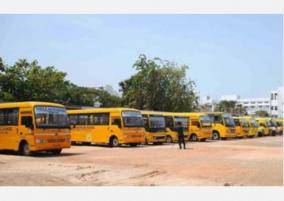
[
  {"x": 171, "y": 123},
  {"x": 242, "y": 127},
  {"x": 200, "y": 127},
  {"x": 29, "y": 127},
  {"x": 254, "y": 127},
  {"x": 279, "y": 122},
  {"x": 112, "y": 126},
  {"x": 223, "y": 125},
  {"x": 265, "y": 125},
  {"x": 155, "y": 126}
]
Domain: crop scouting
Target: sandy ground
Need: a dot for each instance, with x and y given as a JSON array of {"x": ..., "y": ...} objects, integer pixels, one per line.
[{"x": 245, "y": 162}]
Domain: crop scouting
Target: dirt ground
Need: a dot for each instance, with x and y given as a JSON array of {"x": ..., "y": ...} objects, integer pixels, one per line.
[{"x": 245, "y": 162}]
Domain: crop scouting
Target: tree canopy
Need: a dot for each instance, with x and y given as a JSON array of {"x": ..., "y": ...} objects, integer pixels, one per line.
[
  {"x": 159, "y": 85},
  {"x": 261, "y": 113},
  {"x": 28, "y": 81},
  {"x": 230, "y": 107}
]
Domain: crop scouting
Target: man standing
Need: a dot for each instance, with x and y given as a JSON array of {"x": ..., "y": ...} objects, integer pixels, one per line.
[{"x": 180, "y": 133}]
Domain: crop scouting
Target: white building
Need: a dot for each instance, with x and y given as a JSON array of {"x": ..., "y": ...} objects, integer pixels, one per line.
[
  {"x": 232, "y": 97},
  {"x": 273, "y": 104},
  {"x": 207, "y": 104},
  {"x": 276, "y": 102},
  {"x": 255, "y": 104}
]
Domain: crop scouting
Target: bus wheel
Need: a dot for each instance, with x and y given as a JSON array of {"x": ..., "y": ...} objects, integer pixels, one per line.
[
  {"x": 146, "y": 141},
  {"x": 24, "y": 149},
  {"x": 215, "y": 136},
  {"x": 260, "y": 134},
  {"x": 56, "y": 151},
  {"x": 169, "y": 139},
  {"x": 113, "y": 142},
  {"x": 193, "y": 137}
]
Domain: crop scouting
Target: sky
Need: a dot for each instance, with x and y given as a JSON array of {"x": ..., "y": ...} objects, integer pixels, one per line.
[{"x": 226, "y": 54}]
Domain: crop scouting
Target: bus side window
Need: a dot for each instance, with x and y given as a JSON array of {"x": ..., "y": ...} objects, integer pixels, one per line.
[
  {"x": 27, "y": 122},
  {"x": 195, "y": 123},
  {"x": 116, "y": 121}
]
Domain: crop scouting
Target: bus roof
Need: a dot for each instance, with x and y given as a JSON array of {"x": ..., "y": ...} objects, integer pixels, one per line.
[
  {"x": 215, "y": 113},
  {"x": 151, "y": 112},
  {"x": 27, "y": 104},
  {"x": 100, "y": 110},
  {"x": 195, "y": 114}
]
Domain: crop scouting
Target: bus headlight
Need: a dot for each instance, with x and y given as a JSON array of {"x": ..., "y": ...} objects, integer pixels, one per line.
[{"x": 40, "y": 141}]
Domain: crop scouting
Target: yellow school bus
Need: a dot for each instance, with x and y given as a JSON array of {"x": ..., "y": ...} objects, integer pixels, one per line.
[
  {"x": 155, "y": 126},
  {"x": 223, "y": 125},
  {"x": 171, "y": 123},
  {"x": 254, "y": 127},
  {"x": 264, "y": 125},
  {"x": 112, "y": 126},
  {"x": 29, "y": 127},
  {"x": 242, "y": 127},
  {"x": 279, "y": 122},
  {"x": 200, "y": 127}
]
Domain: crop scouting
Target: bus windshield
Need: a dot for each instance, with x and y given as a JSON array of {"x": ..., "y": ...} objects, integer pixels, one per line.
[
  {"x": 183, "y": 120},
  {"x": 205, "y": 121},
  {"x": 157, "y": 122},
  {"x": 245, "y": 124},
  {"x": 269, "y": 123},
  {"x": 132, "y": 119},
  {"x": 229, "y": 121},
  {"x": 51, "y": 117},
  {"x": 254, "y": 123}
]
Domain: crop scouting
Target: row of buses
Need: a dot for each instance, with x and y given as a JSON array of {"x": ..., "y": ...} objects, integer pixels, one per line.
[{"x": 29, "y": 127}]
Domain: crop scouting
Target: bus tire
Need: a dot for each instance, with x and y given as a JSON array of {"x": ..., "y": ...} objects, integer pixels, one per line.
[
  {"x": 260, "y": 134},
  {"x": 273, "y": 133},
  {"x": 56, "y": 151},
  {"x": 24, "y": 149},
  {"x": 113, "y": 142},
  {"x": 215, "y": 135},
  {"x": 193, "y": 137},
  {"x": 169, "y": 139},
  {"x": 146, "y": 141}
]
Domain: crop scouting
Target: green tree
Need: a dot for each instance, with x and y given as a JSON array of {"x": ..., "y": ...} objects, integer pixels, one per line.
[
  {"x": 261, "y": 113},
  {"x": 28, "y": 81},
  {"x": 159, "y": 85},
  {"x": 230, "y": 107}
]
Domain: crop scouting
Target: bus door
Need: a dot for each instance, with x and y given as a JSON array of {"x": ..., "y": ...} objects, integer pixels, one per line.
[
  {"x": 102, "y": 131},
  {"x": 26, "y": 126},
  {"x": 9, "y": 128}
]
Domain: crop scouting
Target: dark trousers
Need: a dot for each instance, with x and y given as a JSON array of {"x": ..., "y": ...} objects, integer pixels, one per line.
[{"x": 181, "y": 141}]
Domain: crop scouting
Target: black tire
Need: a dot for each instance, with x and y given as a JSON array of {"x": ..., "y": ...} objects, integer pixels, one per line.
[
  {"x": 133, "y": 144},
  {"x": 56, "y": 151},
  {"x": 273, "y": 133},
  {"x": 169, "y": 139},
  {"x": 193, "y": 137},
  {"x": 146, "y": 141},
  {"x": 215, "y": 135},
  {"x": 113, "y": 142},
  {"x": 259, "y": 134},
  {"x": 24, "y": 149}
]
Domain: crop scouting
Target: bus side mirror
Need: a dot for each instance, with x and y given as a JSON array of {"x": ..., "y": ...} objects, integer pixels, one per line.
[
  {"x": 28, "y": 122},
  {"x": 116, "y": 122}
]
